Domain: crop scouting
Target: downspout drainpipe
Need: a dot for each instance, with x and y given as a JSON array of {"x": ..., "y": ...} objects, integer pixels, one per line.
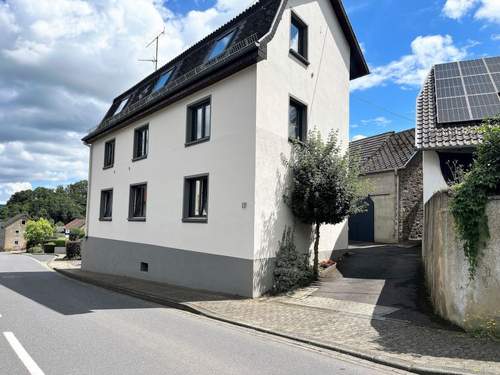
[
  {"x": 89, "y": 184},
  {"x": 397, "y": 204}
]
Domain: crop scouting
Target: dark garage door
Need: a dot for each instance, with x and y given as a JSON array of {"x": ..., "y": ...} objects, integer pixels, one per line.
[{"x": 362, "y": 226}]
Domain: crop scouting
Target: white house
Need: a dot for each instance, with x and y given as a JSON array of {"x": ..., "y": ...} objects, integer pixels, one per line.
[
  {"x": 186, "y": 172},
  {"x": 453, "y": 101}
]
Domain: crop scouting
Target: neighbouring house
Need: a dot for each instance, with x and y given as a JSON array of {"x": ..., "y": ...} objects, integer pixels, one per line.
[
  {"x": 391, "y": 167},
  {"x": 12, "y": 233},
  {"x": 186, "y": 168},
  {"x": 454, "y": 100},
  {"x": 78, "y": 223}
]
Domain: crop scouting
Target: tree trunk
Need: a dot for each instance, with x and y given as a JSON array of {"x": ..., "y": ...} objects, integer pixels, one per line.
[{"x": 316, "y": 255}]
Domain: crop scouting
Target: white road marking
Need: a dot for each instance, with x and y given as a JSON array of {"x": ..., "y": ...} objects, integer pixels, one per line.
[{"x": 23, "y": 354}]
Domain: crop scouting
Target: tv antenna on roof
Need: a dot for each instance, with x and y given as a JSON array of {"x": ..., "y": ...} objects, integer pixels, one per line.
[{"x": 155, "y": 40}]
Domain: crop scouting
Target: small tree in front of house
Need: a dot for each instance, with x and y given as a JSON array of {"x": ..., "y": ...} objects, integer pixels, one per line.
[
  {"x": 37, "y": 232},
  {"x": 325, "y": 186}
]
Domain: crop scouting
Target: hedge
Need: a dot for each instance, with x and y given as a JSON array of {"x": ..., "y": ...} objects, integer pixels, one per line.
[
  {"x": 49, "y": 247},
  {"x": 73, "y": 249}
]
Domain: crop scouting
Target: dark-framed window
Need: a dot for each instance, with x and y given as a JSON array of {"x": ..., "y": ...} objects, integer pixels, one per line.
[
  {"x": 196, "y": 198},
  {"x": 163, "y": 80},
  {"x": 199, "y": 121},
  {"x": 23, "y": 222},
  {"x": 106, "y": 212},
  {"x": 298, "y": 38},
  {"x": 221, "y": 45},
  {"x": 109, "y": 153},
  {"x": 121, "y": 106},
  {"x": 297, "y": 120},
  {"x": 137, "y": 202},
  {"x": 141, "y": 142}
]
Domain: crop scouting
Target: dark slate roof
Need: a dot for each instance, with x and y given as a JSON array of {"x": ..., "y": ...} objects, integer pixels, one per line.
[
  {"x": 192, "y": 71},
  {"x": 13, "y": 219},
  {"x": 431, "y": 135},
  {"x": 383, "y": 152}
]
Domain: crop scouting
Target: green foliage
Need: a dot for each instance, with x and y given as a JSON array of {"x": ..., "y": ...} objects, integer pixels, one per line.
[
  {"x": 49, "y": 247},
  {"x": 37, "y": 232},
  {"x": 60, "y": 242},
  {"x": 61, "y": 204},
  {"x": 76, "y": 234},
  {"x": 469, "y": 198},
  {"x": 35, "y": 250},
  {"x": 325, "y": 187},
  {"x": 73, "y": 249},
  {"x": 292, "y": 268}
]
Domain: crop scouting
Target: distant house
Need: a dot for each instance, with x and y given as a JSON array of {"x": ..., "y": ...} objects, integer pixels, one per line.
[
  {"x": 454, "y": 100},
  {"x": 74, "y": 224},
  {"x": 186, "y": 171},
  {"x": 12, "y": 233},
  {"x": 392, "y": 168}
]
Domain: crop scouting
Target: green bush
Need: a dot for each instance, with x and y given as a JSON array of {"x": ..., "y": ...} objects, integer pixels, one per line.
[
  {"x": 49, "y": 247},
  {"x": 37, "y": 232},
  {"x": 292, "y": 269},
  {"x": 35, "y": 250},
  {"x": 73, "y": 249},
  {"x": 60, "y": 242},
  {"x": 76, "y": 234}
]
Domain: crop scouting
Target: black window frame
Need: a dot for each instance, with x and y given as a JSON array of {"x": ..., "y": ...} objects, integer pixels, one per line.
[
  {"x": 231, "y": 32},
  {"x": 188, "y": 216},
  {"x": 135, "y": 153},
  {"x": 191, "y": 123},
  {"x": 107, "y": 163},
  {"x": 131, "y": 204},
  {"x": 302, "y": 118},
  {"x": 102, "y": 209},
  {"x": 302, "y": 49}
]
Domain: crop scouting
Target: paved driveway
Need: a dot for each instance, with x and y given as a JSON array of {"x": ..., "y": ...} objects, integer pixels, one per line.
[{"x": 382, "y": 275}]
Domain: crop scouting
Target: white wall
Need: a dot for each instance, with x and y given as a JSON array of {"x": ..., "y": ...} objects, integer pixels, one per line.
[
  {"x": 324, "y": 87},
  {"x": 229, "y": 158},
  {"x": 433, "y": 177}
]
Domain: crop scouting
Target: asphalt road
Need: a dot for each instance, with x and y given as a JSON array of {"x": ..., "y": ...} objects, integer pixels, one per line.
[{"x": 53, "y": 325}]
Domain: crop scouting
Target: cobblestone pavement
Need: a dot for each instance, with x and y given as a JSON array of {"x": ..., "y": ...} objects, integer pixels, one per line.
[{"x": 348, "y": 326}]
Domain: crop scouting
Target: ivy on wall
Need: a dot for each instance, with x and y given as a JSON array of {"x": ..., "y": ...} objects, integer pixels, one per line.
[{"x": 469, "y": 198}]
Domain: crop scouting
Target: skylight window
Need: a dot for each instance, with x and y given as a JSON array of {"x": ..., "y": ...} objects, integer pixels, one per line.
[
  {"x": 122, "y": 105},
  {"x": 221, "y": 45},
  {"x": 163, "y": 80}
]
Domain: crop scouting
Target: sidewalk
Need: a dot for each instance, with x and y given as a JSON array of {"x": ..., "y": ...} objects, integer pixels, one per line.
[{"x": 345, "y": 326}]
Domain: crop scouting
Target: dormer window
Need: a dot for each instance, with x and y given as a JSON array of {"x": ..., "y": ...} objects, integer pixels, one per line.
[
  {"x": 122, "y": 105},
  {"x": 298, "y": 38},
  {"x": 221, "y": 45},
  {"x": 163, "y": 80}
]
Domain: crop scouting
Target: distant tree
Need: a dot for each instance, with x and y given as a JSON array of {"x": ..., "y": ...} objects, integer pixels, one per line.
[
  {"x": 37, "y": 232},
  {"x": 325, "y": 187}
]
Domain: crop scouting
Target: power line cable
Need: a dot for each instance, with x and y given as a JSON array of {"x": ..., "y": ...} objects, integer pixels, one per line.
[{"x": 355, "y": 96}]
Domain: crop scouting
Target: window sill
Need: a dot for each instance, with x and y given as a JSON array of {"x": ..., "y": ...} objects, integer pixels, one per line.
[
  {"x": 136, "y": 219},
  {"x": 105, "y": 219},
  {"x": 192, "y": 143},
  {"x": 140, "y": 158},
  {"x": 108, "y": 167},
  {"x": 195, "y": 220},
  {"x": 299, "y": 57}
]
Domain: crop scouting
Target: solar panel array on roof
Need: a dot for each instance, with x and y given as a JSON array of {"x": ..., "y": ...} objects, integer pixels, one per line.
[{"x": 467, "y": 90}]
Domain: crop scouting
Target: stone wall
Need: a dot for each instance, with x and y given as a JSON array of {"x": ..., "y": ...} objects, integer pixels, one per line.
[
  {"x": 411, "y": 208},
  {"x": 471, "y": 304}
]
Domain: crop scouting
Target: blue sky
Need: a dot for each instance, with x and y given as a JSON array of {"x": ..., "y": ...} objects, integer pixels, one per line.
[{"x": 56, "y": 54}]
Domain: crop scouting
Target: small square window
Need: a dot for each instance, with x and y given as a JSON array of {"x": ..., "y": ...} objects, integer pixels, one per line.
[
  {"x": 196, "y": 198},
  {"x": 122, "y": 105},
  {"x": 198, "y": 122},
  {"x": 141, "y": 142},
  {"x": 297, "y": 120},
  {"x": 109, "y": 154},
  {"x": 298, "y": 37},
  {"x": 17, "y": 232},
  {"x": 23, "y": 222},
  {"x": 16, "y": 242},
  {"x": 137, "y": 205},
  {"x": 163, "y": 80},
  {"x": 106, "y": 212},
  {"x": 221, "y": 45}
]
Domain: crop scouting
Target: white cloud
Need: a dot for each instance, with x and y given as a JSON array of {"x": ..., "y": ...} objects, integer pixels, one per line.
[
  {"x": 379, "y": 121},
  {"x": 486, "y": 10},
  {"x": 456, "y": 9},
  {"x": 358, "y": 137},
  {"x": 411, "y": 70},
  {"x": 61, "y": 64},
  {"x": 495, "y": 37},
  {"x": 7, "y": 189}
]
